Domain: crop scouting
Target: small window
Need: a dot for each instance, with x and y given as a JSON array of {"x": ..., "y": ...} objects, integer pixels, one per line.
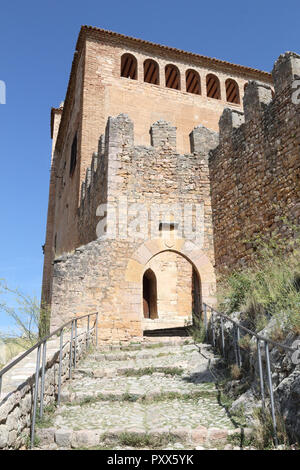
[
  {"x": 232, "y": 91},
  {"x": 151, "y": 72},
  {"x": 73, "y": 155},
  {"x": 172, "y": 77},
  {"x": 167, "y": 226},
  {"x": 213, "y": 89},
  {"x": 193, "y": 82},
  {"x": 129, "y": 66}
]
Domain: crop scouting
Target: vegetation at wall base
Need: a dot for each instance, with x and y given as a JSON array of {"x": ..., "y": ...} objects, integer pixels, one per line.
[{"x": 269, "y": 287}]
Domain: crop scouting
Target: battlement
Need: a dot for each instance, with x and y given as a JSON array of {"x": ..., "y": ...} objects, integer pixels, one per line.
[
  {"x": 119, "y": 136},
  {"x": 121, "y": 168},
  {"x": 255, "y": 170},
  {"x": 261, "y": 103}
]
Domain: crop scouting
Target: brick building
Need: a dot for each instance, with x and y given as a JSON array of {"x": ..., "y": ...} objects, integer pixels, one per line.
[{"x": 135, "y": 132}]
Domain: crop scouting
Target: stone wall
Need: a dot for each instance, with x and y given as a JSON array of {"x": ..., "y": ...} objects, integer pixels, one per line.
[
  {"x": 255, "y": 170},
  {"x": 106, "y": 274},
  {"x": 96, "y": 91},
  {"x": 16, "y": 400}
]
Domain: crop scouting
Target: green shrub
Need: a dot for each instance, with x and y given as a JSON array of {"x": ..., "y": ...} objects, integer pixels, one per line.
[
  {"x": 197, "y": 329},
  {"x": 270, "y": 287}
]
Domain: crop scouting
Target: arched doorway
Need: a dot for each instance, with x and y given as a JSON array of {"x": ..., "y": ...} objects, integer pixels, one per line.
[
  {"x": 149, "y": 294},
  {"x": 171, "y": 291},
  {"x": 168, "y": 306}
]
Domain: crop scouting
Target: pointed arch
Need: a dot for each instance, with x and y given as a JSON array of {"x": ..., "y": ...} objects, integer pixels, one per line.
[{"x": 137, "y": 264}]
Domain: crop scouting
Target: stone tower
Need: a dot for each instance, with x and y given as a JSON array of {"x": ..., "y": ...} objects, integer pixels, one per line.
[{"x": 130, "y": 182}]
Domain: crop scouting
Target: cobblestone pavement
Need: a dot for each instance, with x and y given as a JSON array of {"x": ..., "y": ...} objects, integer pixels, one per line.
[{"x": 160, "y": 396}]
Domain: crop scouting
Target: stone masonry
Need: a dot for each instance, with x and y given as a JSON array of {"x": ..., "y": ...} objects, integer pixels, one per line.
[
  {"x": 106, "y": 275},
  {"x": 17, "y": 392},
  {"x": 255, "y": 170},
  {"x": 128, "y": 397},
  {"x": 96, "y": 91},
  {"x": 114, "y": 240}
]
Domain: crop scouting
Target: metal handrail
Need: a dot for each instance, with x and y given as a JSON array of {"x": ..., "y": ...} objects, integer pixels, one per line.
[
  {"x": 260, "y": 337},
  {"x": 238, "y": 357},
  {"x": 39, "y": 343},
  {"x": 42, "y": 344}
]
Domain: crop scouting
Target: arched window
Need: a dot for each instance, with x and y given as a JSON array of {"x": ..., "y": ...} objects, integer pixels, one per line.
[
  {"x": 232, "y": 91},
  {"x": 172, "y": 77},
  {"x": 151, "y": 72},
  {"x": 245, "y": 86},
  {"x": 149, "y": 294},
  {"x": 129, "y": 66},
  {"x": 213, "y": 89},
  {"x": 192, "y": 79}
]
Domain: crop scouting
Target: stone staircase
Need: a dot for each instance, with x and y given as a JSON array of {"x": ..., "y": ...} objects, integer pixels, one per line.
[{"x": 160, "y": 394}]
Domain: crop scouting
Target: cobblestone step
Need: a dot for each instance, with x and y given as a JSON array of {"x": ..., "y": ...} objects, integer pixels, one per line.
[
  {"x": 151, "y": 397},
  {"x": 181, "y": 438},
  {"x": 149, "y": 385},
  {"x": 142, "y": 353}
]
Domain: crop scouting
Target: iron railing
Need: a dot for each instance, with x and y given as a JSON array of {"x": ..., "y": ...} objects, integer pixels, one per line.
[
  {"x": 261, "y": 341},
  {"x": 40, "y": 370}
]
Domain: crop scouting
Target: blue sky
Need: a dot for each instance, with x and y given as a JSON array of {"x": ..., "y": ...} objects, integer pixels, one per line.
[{"x": 37, "y": 41}]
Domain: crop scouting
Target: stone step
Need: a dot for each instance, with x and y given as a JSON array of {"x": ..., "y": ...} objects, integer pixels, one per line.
[
  {"x": 86, "y": 397},
  {"x": 161, "y": 397},
  {"x": 148, "y": 353},
  {"x": 180, "y": 438},
  {"x": 189, "y": 360},
  {"x": 127, "y": 416},
  {"x": 145, "y": 384},
  {"x": 150, "y": 343}
]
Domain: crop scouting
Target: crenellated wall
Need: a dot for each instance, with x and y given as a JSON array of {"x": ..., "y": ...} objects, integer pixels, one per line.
[
  {"x": 105, "y": 274},
  {"x": 98, "y": 88},
  {"x": 255, "y": 170}
]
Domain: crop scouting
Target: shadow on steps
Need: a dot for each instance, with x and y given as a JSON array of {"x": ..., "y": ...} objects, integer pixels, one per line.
[{"x": 178, "y": 331}]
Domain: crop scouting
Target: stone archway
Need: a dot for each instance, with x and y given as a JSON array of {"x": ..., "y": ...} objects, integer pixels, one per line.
[{"x": 139, "y": 261}]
